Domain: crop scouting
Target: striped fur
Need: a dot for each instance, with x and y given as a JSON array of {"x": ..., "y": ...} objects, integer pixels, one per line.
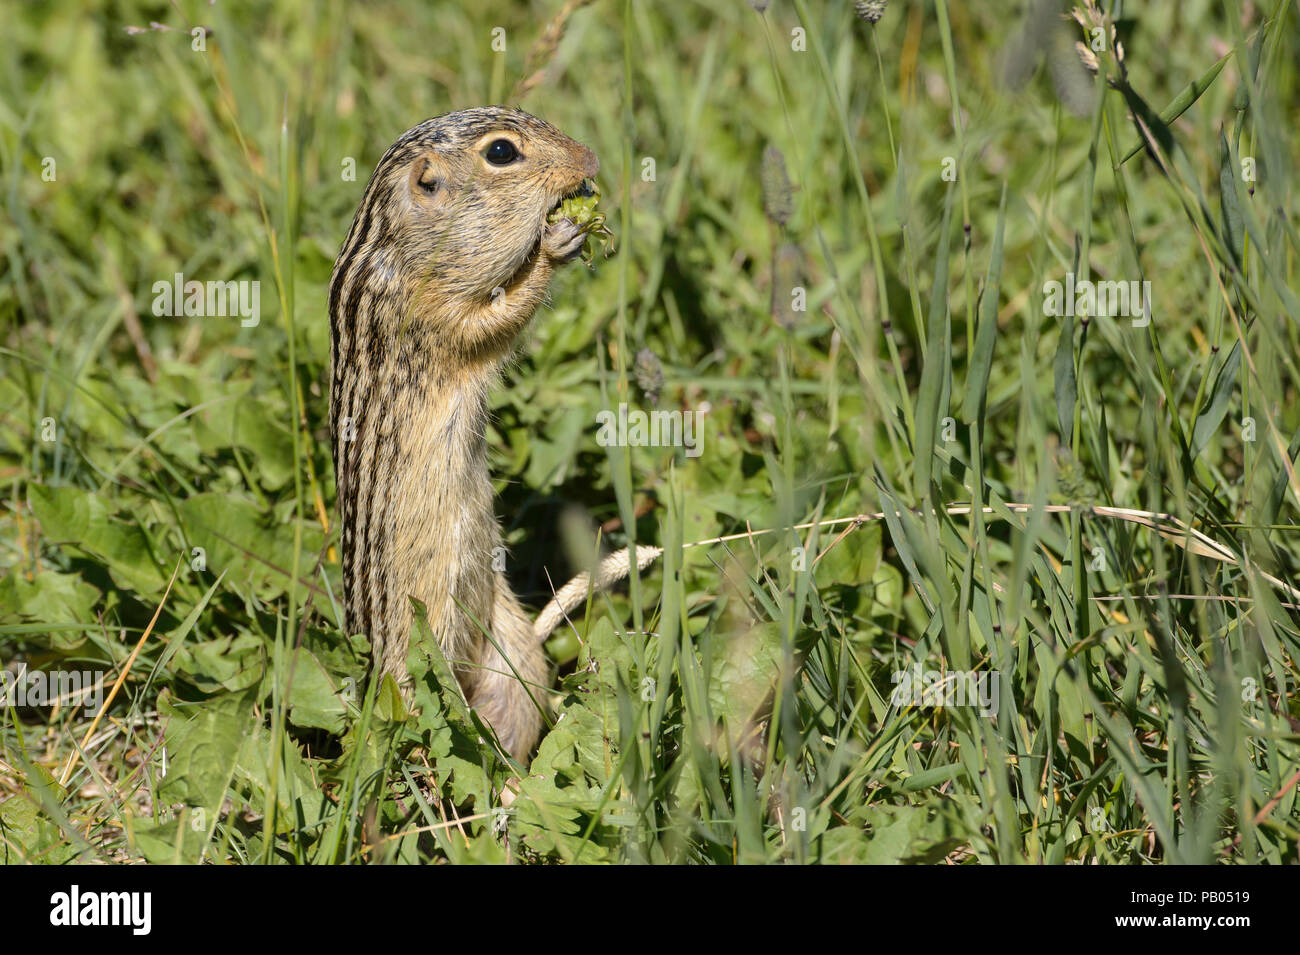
[{"x": 446, "y": 261}]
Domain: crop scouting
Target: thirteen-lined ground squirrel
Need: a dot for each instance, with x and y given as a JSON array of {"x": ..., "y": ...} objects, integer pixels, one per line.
[{"x": 446, "y": 261}]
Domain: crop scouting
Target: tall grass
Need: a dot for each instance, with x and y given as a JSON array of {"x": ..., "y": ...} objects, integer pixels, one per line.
[{"x": 921, "y": 467}]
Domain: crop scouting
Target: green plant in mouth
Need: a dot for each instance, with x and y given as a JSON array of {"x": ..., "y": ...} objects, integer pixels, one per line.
[{"x": 581, "y": 208}]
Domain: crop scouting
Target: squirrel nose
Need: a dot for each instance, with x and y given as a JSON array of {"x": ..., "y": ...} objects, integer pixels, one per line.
[{"x": 589, "y": 163}]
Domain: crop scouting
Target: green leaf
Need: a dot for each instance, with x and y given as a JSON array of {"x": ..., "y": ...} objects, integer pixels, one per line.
[
  {"x": 936, "y": 375},
  {"x": 203, "y": 742},
  {"x": 854, "y": 559},
  {"x": 237, "y": 540},
  {"x": 1211, "y": 417},
  {"x": 52, "y": 598},
  {"x": 1067, "y": 389},
  {"x": 389, "y": 705},
  {"x": 314, "y": 699},
  {"x": 299, "y": 800},
  {"x": 908, "y": 834},
  {"x": 745, "y": 675},
  {"x": 1179, "y": 104},
  {"x": 28, "y": 834},
  {"x": 78, "y": 518},
  {"x": 1234, "y": 229},
  {"x": 977, "y": 378},
  {"x": 565, "y": 789},
  {"x": 227, "y": 663}
]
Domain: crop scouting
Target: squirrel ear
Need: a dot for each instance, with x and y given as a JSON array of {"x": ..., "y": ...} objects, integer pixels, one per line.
[{"x": 424, "y": 177}]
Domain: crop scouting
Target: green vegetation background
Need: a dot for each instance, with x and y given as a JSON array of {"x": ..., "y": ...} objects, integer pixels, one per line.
[{"x": 168, "y": 493}]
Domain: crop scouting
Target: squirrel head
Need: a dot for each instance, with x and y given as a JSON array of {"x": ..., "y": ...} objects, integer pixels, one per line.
[{"x": 468, "y": 194}]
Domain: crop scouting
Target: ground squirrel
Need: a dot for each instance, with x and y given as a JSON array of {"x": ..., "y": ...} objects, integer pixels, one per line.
[{"x": 448, "y": 257}]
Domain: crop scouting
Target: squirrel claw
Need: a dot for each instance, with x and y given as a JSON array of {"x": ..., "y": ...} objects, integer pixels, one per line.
[{"x": 563, "y": 240}]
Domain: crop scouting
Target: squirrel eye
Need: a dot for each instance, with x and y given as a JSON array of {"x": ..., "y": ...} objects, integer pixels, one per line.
[{"x": 502, "y": 152}]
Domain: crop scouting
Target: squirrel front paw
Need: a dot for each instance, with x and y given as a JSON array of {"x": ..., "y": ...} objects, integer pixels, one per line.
[{"x": 563, "y": 240}]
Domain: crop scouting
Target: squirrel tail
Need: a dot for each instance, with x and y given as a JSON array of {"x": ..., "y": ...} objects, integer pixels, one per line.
[{"x": 611, "y": 570}]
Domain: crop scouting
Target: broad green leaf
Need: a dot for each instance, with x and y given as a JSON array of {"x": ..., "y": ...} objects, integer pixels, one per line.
[
  {"x": 314, "y": 699},
  {"x": 50, "y": 597},
  {"x": 77, "y": 518}
]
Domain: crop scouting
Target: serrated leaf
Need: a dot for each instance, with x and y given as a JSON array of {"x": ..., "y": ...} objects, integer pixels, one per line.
[
  {"x": 203, "y": 743},
  {"x": 228, "y": 663}
]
